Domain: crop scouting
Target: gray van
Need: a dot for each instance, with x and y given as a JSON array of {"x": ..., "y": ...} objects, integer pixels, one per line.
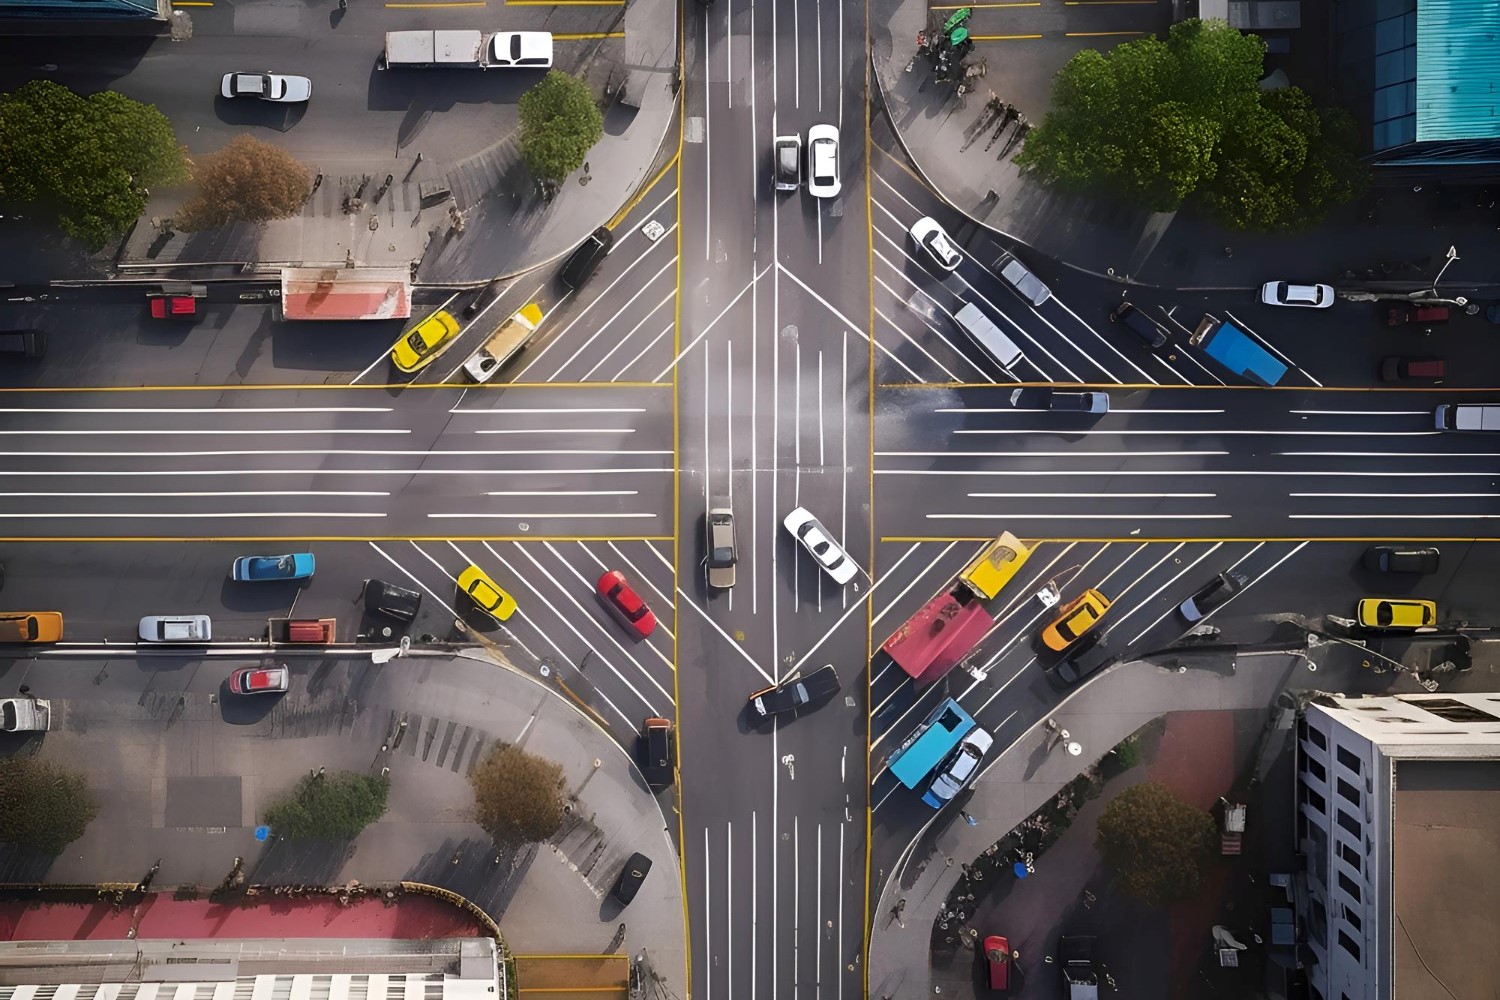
[
  {"x": 987, "y": 335},
  {"x": 1026, "y": 284},
  {"x": 1468, "y": 417}
]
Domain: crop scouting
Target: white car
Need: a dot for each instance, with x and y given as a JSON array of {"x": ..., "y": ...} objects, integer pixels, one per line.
[
  {"x": 823, "y": 161},
  {"x": 267, "y": 87},
  {"x": 176, "y": 628},
  {"x": 1284, "y": 293},
  {"x": 931, "y": 237},
  {"x": 522, "y": 49},
  {"x": 815, "y": 538}
]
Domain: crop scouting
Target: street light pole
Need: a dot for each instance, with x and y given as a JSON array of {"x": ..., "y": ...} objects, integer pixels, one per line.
[{"x": 1448, "y": 258}]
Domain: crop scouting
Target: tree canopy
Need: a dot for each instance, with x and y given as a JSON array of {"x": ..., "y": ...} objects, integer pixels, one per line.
[
  {"x": 47, "y": 806},
  {"x": 559, "y": 125},
  {"x": 87, "y": 160},
  {"x": 1158, "y": 845},
  {"x": 247, "y": 181},
  {"x": 331, "y": 806},
  {"x": 518, "y": 797},
  {"x": 1157, "y": 122}
]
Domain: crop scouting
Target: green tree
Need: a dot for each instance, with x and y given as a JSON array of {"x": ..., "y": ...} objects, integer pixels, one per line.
[
  {"x": 333, "y": 806},
  {"x": 247, "y": 181},
  {"x": 1158, "y": 122},
  {"x": 87, "y": 160},
  {"x": 1158, "y": 845},
  {"x": 46, "y": 806},
  {"x": 518, "y": 797},
  {"x": 559, "y": 125}
]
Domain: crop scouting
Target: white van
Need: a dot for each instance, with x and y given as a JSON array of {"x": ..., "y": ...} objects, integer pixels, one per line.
[
  {"x": 987, "y": 335},
  {"x": 1468, "y": 417}
]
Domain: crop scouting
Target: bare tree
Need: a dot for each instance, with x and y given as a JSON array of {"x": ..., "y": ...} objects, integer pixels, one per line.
[
  {"x": 246, "y": 181},
  {"x": 518, "y": 797}
]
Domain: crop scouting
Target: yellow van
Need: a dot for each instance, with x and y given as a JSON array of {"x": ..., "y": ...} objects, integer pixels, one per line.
[{"x": 994, "y": 567}]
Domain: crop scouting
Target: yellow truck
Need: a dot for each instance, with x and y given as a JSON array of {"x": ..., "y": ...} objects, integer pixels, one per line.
[
  {"x": 994, "y": 567},
  {"x": 507, "y": 340}
]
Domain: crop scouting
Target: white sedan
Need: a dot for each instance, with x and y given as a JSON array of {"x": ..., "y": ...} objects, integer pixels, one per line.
[
  {"x": 267, "y": 87},
  {"x": 931, "y": 237},
  {"x": 823, "y": 161},
  {"x": 1284, "y": 293},
  {"x": 815, "y": 538}
]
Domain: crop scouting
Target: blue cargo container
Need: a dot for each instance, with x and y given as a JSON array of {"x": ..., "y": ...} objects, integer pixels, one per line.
[
  {"x": 926, "y": 747},
  {"x": 1238, "y": 351}
]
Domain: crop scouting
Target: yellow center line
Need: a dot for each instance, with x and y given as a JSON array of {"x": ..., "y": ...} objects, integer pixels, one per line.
[
  {"x": 579, "y": 36},
  {"x": 1000, "y": 38},
  {"x": 192, "y": 3}
]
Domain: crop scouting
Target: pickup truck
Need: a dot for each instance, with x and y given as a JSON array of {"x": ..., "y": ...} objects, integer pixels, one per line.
[
  {"x": 467, "y": 48},
  {"x": 1076, "y": 956},
  {"x": 25, "y": 715},
  {"x": 507, "y": 341}
]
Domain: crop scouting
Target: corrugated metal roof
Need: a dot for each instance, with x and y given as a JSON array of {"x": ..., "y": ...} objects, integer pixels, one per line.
[{"x": 1458, "y": 69}]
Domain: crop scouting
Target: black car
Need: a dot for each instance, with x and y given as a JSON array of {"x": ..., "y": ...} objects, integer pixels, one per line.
[
  {"x": 1395, "y": 559},
  {"x": 583, "y": 262},
  {"x": 1096, "y": 654},
  {"x": 1139, "y": 324},
  {"x": 23, "y": 343},
  {"x": 1043, "y": 398},
  {"x": 631, "y": 877},
  {"x": 382, "y": 598},
  {"x": 657, "y": 748},
  {"x": 795, "y": 692},
  {"x": 1212, "y": 595}
]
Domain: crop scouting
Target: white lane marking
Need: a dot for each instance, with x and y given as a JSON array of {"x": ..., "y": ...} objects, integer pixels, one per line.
[
  {"x": 594, "y": 622},
  {"x": 780, "y": 269},
  {"x": 754, "y": 846},
  {"x": 623, "y": 275},
  {"x": 821, "y": 462},
  {"x": 599, "y": 330},
  {"x": 534, "y": 516},
  {"x": 1141, "y": 604},
  {"x": 1174, "y": 607},
  {"x": 942, "y": 367},
  {"x": 729, "y": 896},
  {"x": 622, "y": 340},
  {"x": 708, "y": 909},
  {"x": 1077, "y": 517},
  {"x": 219, "y": 432},
  {"x": 662, "y": 559},
  {"x": 689, "y": 602},
  {"x": 1382, "y": 496},
  {"x": 729, "y": 438},
  {"x": 554, "y": 430},
  {"x": 1380, "y": 454},
  {"x": 754, "y": 389},
  {"x": 656, "y": 340},
  {"x": 843, "y": 450},
  {"x": 914, "y": 376},
  {"x": 508, "y": 411},
  {"x": 222, "y": 514},
  {"x": 546, "y": 633},
  {"x": 1102, "y": 340},
  {"x": 561, "y": 493},
  {"x": 708, "y": 167},
  {"x": 226, "y": 410},
  {"x": 344, "y": 472},
  {"x": 408, "y": 574},
  {"x": 797, "y": 476},
  {"x": 1318, "y": 473},
  {"x": 824, "y": 637},
  {"x": 1264, "y": 343},
  {"x": 897, "y": 296},
  {"x": 1366, "y": 517},
  {"x": 707, "y": 454},
  {"x": 1094, "y": 496},
  {"x": 1204, "y": 432},
  {"x": 213, "y": 493},
  {"x": 1015, "y": 409},
  {"x": 796, "y": 57},
  {"x": 796, "y": 902},
  {"x": 818, "y": 840},
  {"x": 915, "y": 580},
  {"x": 1361, "y": 413},
  {"x": 704, "y": 332},
  {"x": 1044, "y": 454}
]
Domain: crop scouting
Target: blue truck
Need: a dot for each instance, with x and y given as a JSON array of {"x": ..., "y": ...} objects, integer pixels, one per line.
[{"x": 1236, "y": 350}]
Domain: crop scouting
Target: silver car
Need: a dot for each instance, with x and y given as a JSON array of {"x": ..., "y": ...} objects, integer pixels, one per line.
[
  {"x": 176, "y": 628},
  {"x": 722, "y": 554},
  {"x": 267, "y": 87}
]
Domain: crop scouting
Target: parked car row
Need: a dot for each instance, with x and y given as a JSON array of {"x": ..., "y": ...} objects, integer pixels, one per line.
[{"x": 822, "y": 162}]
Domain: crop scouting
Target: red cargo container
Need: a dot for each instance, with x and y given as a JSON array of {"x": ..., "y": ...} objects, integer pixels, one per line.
[{"x": 941, "y": 633}]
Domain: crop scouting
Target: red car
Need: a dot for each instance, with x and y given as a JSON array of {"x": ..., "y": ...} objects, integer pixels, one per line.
[
  {"x": 177, "y": 300},
  {"x": 626, "y": 604},
  {"x": 997, "y": 959},
  {"x": 259, "y": 680}
]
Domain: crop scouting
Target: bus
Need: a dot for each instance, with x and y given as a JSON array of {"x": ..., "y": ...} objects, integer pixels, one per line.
[{"x": 933, "y": 740}]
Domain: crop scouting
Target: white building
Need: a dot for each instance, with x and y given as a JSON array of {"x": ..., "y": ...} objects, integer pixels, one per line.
[
  {"x": 272, "y": 969},
  {"x": 1398, "y": 818}
]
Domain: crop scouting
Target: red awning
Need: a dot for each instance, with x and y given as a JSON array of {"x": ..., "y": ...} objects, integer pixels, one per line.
[{"x": 345, "y": 293}]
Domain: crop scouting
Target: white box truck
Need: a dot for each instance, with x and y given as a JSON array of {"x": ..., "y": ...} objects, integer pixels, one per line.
[{"x": 463, "y": 48}]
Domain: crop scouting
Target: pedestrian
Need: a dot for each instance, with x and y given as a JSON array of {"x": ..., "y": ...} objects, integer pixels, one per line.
[{"x": 343, "y": 4}]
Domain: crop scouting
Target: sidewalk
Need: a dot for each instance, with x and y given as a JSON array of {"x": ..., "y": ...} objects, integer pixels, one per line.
[
  {"x": 508, "y": 228},
  {"x": 188, "y": 783},
  {"x": 1094, "y": 235},
  {"x": 1023, "y": 778}
]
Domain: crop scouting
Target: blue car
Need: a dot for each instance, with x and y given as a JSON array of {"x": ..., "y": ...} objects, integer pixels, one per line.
[{"x": 298, "y": 566}]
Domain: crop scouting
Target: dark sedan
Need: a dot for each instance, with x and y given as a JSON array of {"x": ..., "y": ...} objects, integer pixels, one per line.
[
  {"x": 795, "y": 692},
  {"x": 1401, "y": 559},
  {"x": 1212, "y": 595}
]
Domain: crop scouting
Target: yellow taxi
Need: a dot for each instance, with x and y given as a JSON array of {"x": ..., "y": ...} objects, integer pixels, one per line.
[
  {"x": 31, "y": 626},
  {"x": 1379, "y": 612},
  {"x": 420, "y": 345},
  {"x": 1076, "y": 617},
  {"x": 484, "y": 592},
  {"x": 993, "y": 568}
]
